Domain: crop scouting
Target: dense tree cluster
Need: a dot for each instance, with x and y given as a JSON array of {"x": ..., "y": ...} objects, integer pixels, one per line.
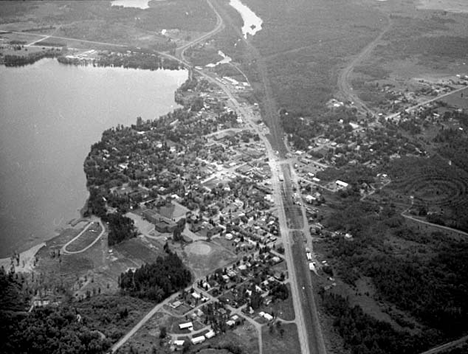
[
  {"x": 21, "y": 60},
  {"x": 12, "y": 297},
  {"x": 133, "y": 60},
  {"x": 121, "y": 228},
  {"x": 365, "y": 335},
  {"x": 279, "y": 291},
  {"x": 426, "y": 280},
  {"x": 51, "y": 330},
  {"x": 158, "y": 280}
]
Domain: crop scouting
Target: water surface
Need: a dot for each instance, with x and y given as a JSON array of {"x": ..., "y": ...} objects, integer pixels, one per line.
[
  {"x": 252, "y": 23},
  {"x": 50, "y": 115}
]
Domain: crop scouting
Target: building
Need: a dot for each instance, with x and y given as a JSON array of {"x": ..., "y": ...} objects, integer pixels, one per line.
[
  {"x": 188, "y": 325},
  {"x": 161, "y": 223},
  {"x": 341, "y": 184},
  {"x": 198, "y": 340},
  {"x": 178, "y": 343},
  {"x": 210, "y": 334}
]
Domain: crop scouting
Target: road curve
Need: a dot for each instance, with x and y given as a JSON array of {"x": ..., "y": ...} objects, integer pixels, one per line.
[
  {"x": 180, "y": 51},
  {"x": 343, "y": 79},
  {"x": 64, "y": 248},
  {"x": 433, "y": 225}
]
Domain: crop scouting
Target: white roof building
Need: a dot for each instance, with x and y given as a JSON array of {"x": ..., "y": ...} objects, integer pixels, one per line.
[
  {"x": 188, "y": 325},
  {"x": 198, "y": 340},
  {"x": 210, "y": 334}
]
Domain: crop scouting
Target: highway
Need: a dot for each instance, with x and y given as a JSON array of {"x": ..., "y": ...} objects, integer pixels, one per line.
[{"x": 306, "y": 318}]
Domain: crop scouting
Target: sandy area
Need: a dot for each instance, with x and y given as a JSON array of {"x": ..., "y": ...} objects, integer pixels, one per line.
[
  {"x": 460, "y": 6},
  {"x": 26, "y": 260}
]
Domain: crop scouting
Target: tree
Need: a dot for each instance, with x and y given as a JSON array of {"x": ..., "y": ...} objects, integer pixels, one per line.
[{"x": 163, "y": 332}]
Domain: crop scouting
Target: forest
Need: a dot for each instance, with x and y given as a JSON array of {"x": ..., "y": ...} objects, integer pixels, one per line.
[
  {"x": 422, "y": 273},
  {"x": 158, "y": 280},
  {"x": 121, "y": 228},
  {"x": 51, "y": 330},
  {"x": 31, "y": 58},
  {"x": 363, "y": 334},
  {"x": 136, "y": 60}
]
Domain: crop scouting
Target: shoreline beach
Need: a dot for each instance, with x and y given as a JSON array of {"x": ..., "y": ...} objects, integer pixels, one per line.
[{"x": 26, "y": 262}]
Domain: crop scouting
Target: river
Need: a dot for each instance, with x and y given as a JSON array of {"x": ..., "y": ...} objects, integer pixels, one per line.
[
  {"x": 50, "y": 115},
  {"x": 252, "y": 23}
]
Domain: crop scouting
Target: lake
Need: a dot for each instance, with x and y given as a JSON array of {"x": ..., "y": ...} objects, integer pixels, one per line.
[
  {"x": 51, "y": 114},
  {"x": 252, "y": 23}
]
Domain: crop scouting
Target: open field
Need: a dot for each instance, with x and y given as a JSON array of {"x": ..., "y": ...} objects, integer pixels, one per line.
[
  {"x": 460, "y": 6},
  {"x": 82, "y": 24},
  {"x": 206, "y": 257},
  {"x": 283, "y": 309},
  {"x": 280, "y": 340},
  {"x": 86, "y": 238},
  {"x": 458, "y": 100},
  {"x": 418, "y": 43}
]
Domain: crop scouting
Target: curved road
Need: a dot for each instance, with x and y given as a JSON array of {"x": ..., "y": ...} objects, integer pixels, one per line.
[
  {"x": 180, "y": 51},
  {"x": 343, "y": 80},
  {"x": 64, "y": 248}
]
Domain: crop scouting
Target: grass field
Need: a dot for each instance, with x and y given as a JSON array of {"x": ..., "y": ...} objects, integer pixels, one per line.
[
  {"x": 205, "y": 257},
  {"x": 282, "y": 309},
  {"x": 86, "y": 238},
  {"x": 275, "y": 343}
]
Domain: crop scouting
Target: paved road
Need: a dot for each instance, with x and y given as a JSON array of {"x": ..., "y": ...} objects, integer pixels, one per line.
[
  {"x": 412, "y": 108},
  {"x": 446, "y": 346},
  {"x": 140, "y": 324},
  {"x": 433, "y": 225},
  {"x": 180, "y": 51}
]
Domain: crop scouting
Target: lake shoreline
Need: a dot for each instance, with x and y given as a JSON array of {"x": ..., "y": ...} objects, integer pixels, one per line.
[{"x": 22, "y": 244}]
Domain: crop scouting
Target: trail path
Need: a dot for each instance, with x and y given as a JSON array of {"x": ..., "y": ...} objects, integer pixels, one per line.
[{"x": 98, "y": 237}]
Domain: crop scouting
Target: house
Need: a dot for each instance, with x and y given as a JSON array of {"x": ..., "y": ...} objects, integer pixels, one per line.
[
  {"x": 188, "y": 325},
  {"x": 178, "y": 343},
  {"x": 175, "y": 304},
  {"x": 341, "y": 184},
  {"x": 198, "y": 340},
  {"x": 210, "y": 334}
]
